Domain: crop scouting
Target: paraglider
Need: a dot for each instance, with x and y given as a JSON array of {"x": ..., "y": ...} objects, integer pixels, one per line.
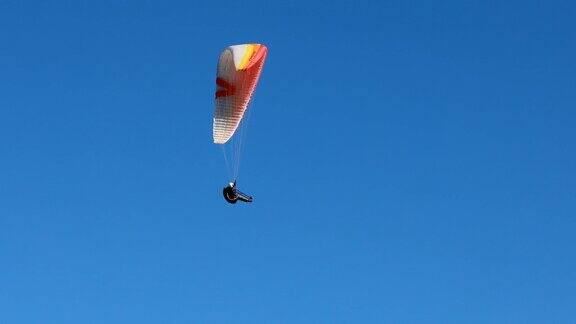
[
  {"x": 238, "y": 72},
  {"x": 232, "y": 195}
]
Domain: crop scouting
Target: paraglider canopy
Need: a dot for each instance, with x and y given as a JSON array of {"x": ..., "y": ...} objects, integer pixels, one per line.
[{"x": 238, "y": 72}]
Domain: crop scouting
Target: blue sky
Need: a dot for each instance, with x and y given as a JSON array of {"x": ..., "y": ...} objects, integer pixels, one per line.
[{"x": 411, "y": 162}]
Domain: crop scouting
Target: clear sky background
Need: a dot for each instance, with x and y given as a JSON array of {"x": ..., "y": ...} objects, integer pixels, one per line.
[{"x": 411, "y": 162}]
